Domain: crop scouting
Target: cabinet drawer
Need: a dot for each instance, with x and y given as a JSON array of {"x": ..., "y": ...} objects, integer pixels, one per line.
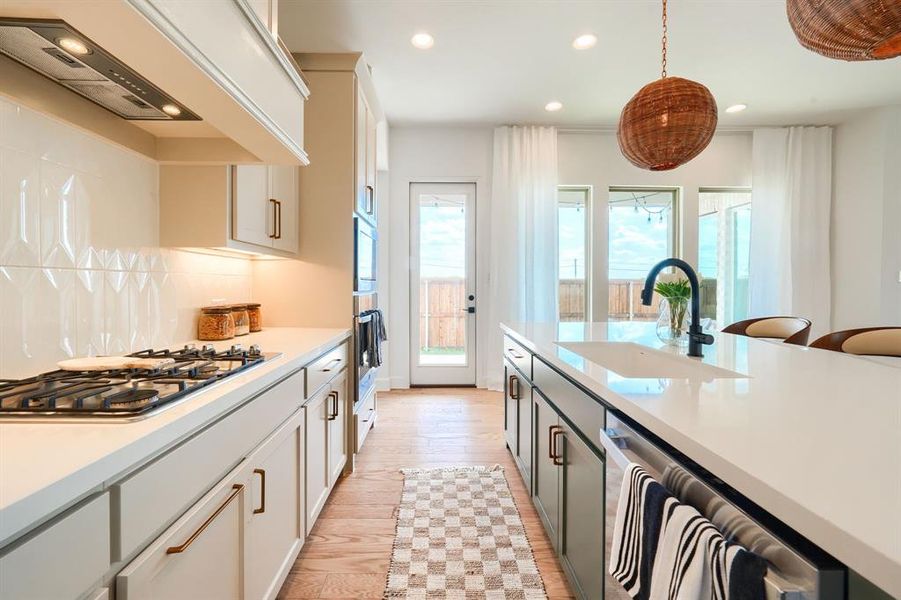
[
  {"x": 364, "y": 419},
  {"x": 64, "y": 560},
  {"x": 156, "y": 495},
  {"x": 580, "y": 408},
  {"x": 200, "y": 556},
  {"x": 518, "y": 355},
  {"x": 325, "y": 368}
]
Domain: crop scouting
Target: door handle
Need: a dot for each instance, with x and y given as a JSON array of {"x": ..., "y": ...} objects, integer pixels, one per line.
[
  {"x": 513, "y": 379},
  {"x": 262, "y": 508},
  {"x": 274, "y": 204},
  {"x": 236, "y": 489},
  {"x": 469, "y": 309},
  {"x": 558, "y": 459}
]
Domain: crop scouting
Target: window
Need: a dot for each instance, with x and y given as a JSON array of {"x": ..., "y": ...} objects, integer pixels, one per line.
[
  {"x": 643, "y": 230},
  {"x": 724, "y": 248},
  {"x": 573, "y": 237}
]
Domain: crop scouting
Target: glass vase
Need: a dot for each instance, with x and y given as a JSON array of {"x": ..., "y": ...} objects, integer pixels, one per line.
[{"x": 672, "y": 324}]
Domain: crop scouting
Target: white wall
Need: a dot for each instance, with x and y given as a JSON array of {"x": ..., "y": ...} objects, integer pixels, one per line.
[
  {"x": 594, "y": 159},
  {"x": 432, "y": 154},
  {"x": 866, "y": 220},
  {"x": 465, "y": 154},
  {"x": 81, "y": 270}
]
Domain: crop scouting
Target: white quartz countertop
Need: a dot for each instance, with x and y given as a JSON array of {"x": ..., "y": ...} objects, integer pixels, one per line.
[
  {"x": 46, "y": 466},
  {"x": 812, "y": 436}
]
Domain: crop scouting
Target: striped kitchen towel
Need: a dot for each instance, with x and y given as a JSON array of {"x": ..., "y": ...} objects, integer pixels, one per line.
[
  {"x": 693, "y": 561},
  {"x": 636, "y": 531}
]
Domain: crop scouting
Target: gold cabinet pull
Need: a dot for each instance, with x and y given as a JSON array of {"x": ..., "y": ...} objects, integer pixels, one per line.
[
  {"x": 262, "y": 508},
  {"x": 558, "y": 459},
  {"x": 278, "y": 206},
  {"x": 514, "y": 379},
  {"x": 236, "y": 489},
  {"x": 331, "y": 395},
  {"x": 550, "y": 443},
  {"x": 274, "y": 203}
]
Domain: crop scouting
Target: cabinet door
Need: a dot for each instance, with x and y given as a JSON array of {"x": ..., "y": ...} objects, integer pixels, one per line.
[
  {"x": 274, "y": 517},
  {"x": 546, "y": 474},
  {"x": 285, "y": 191},
  {"x": 524, "y": 433},
  {"x": 316, "y": 456},
  {"x": 253, "y": 215},
  {"x": 360, "y": 130},
  {"x": 200, "y": 556},
  {"x": 338, "y": 428},
  {"x": 511, "y": 406},
  {"x": 582, "y": 515}
]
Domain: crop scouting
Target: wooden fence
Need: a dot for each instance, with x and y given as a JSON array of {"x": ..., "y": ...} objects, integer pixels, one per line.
[{"x": 442, "y": 320}]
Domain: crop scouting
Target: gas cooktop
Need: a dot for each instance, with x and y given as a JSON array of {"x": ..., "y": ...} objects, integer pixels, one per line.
[{"x": 124, "y": 393}]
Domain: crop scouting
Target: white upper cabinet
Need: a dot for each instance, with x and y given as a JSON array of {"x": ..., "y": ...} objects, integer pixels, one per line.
[
  {"x": 366, "y": 163},
  {"x": 253, "y": 208},
  {"x": 222, "y": 60}
]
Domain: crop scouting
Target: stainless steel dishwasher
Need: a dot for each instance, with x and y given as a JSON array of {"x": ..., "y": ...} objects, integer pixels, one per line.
[{"x": 793, "y": 574}]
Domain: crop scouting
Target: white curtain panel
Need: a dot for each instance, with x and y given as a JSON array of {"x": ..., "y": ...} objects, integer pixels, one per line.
[
  {"x": 790, "y": 222},
  {"x": 523, "y": 275}
]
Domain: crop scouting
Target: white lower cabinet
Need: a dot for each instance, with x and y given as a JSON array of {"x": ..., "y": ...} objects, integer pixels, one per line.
[
  {"x": 240, "y": 540},
  {"x": 338, "y": 429},
  {"x": 200, "y": 557},
  {"x": 275, "y": 518},
  {"x": 65, "y": 559},
  {"x": 316, "y": 455}
]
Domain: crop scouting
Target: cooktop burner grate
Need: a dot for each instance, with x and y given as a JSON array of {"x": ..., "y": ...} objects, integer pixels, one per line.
[{"x": 117, "y": 393}]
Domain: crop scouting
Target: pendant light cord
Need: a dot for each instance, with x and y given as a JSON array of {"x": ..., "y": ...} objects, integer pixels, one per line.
[{"x": 663, "y": 74}]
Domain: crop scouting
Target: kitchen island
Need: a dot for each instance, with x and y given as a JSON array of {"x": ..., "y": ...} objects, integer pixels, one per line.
[{"x": 812, "y": 437}]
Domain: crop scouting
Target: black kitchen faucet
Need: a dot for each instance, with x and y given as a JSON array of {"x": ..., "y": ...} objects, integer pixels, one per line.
[{"x": 696, "y": 338}]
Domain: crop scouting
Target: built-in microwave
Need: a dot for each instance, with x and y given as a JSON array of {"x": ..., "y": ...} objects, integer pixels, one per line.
[{"x": 365, "y": 255}]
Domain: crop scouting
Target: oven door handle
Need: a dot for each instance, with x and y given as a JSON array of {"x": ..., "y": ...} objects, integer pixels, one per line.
[{"x": 364, "y": 319}]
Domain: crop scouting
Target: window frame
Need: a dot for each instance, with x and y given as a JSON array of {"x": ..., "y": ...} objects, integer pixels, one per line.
[{"x": 588, "y": 193}]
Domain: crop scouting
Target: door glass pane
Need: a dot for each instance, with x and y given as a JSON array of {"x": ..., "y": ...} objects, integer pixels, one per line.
[
  {"x": 572, "y": 219},
  {"x": 442, "y": 279},
  {"x": 641, "y": 234},
  {"x": 724, "y": 246}
]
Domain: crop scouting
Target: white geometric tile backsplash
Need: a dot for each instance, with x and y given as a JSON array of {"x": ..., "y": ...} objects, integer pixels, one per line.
[{"x": 81, "y": 270}]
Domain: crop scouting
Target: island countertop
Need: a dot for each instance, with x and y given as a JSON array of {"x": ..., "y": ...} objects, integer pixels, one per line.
[
  {"x": 65, "y": 461},
  {"x": 812, "y": 436}
]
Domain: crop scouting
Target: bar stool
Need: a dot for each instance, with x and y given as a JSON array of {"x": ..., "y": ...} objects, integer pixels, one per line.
[
  {"x": 868, "y": 341},
  {"x": 791, "y": 330}
]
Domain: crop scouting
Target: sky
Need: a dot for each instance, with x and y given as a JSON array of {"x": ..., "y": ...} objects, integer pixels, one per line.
[{"x": 635, "y": 243}]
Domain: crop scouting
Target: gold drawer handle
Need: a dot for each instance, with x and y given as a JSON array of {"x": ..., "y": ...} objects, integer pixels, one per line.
[
  {"x": 236, "y": 489},
  {"x": 262, "y": 508},
  {"x": 328, "y": 366}
]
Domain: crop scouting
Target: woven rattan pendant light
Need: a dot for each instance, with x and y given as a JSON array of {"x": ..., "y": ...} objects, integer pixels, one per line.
[
  {"x": 848, "y": 29},
  {"x": 668, "y": 122}
]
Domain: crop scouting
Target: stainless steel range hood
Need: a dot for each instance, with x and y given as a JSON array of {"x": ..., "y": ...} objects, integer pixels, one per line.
[{"x": 56, "y": 50}]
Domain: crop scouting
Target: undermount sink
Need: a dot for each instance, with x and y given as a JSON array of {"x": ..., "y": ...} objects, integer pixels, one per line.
[{"x": 635, "y": 361}]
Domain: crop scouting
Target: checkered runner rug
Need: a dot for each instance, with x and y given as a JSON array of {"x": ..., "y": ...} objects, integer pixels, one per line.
[{"x": 459, "y": 537}]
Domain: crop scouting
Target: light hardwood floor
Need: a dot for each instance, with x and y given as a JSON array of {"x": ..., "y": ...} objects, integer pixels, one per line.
[{"x": 348, "y": 551}]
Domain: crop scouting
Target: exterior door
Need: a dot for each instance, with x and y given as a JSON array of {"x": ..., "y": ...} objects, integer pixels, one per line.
[{"x": 442, "y": 284}]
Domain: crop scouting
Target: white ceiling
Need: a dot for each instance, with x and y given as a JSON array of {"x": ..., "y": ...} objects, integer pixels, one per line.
[{"x": 501, "y": 61}]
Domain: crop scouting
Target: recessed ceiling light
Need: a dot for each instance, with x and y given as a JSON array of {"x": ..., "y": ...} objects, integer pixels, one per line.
[
  {"x": 171, "y": 109},
  {"x": 423, "y": 41},
  {"x": 736, "y": 108},
  {"x": 584, "y": 42},
  {"x": 74, "y": 46},
  {"x": 553, "y": 106}
]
